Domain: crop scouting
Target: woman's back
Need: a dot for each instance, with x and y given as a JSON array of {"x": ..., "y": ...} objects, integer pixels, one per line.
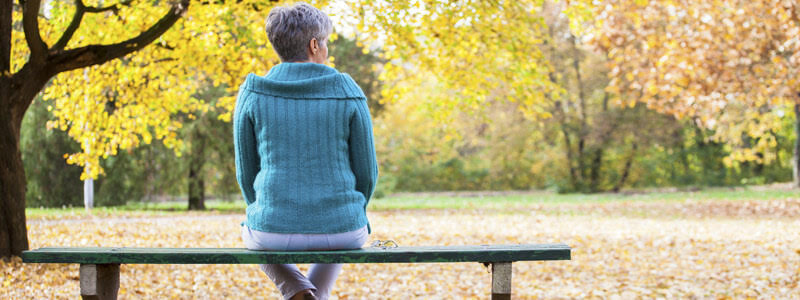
[{"x": 305, "y": 132}]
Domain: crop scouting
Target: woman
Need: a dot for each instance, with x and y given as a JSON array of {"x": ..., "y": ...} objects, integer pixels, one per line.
[{"x": 305, "y": 158}]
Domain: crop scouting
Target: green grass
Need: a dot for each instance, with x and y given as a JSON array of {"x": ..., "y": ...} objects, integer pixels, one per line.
[
  {"x": 433, "y": 201},
  {"x": 138, "y": 208},
  {"x": 442, "y": 201}
]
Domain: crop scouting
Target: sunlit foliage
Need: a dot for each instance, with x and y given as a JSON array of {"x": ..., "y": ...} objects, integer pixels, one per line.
[
  {"x": 136, "y": 99},
  {"x": 478, "y": 51},
  {"x": 727, "y": 65},
  {"x": 449, "y": 66}
]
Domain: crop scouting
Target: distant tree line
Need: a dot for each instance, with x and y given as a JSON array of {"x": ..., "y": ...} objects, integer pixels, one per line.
[{"x": 587, "y": 146}]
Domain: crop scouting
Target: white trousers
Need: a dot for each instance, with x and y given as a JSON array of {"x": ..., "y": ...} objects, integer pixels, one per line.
[{"x": 288, "y": 278}]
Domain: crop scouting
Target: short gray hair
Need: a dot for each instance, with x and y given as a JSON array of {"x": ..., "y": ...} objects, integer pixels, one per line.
[{"x": 290, "y": 28}]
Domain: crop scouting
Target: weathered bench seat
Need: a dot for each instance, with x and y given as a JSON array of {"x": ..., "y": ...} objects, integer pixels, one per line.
[{"x": 99, "y": 271}]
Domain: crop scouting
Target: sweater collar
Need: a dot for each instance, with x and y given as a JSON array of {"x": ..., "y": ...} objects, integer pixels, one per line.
[
  {"x": 299, "y": 71},
  {"x": 304, "y": 81}
]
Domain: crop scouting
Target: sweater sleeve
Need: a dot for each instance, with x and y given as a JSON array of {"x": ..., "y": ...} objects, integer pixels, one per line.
[
  {"x": 244, "y": 144},
  {"x": 362, "y": 150}
]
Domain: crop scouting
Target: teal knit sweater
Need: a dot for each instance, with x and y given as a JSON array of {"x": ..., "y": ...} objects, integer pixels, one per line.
[{"x": 305, "y": 158}]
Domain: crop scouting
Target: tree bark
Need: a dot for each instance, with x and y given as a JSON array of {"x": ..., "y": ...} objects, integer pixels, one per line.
[
  {"x": 594, "y": 169},
  {"x": 16, "y": 94},
  {"x": 196, "y": 189},
  {"x": 582, "y": 131},
  {"x": 196, "y": 163},
  {"x": 13, "y": 230},
  {"x": 796, "y": 155},
  {"x": 627, "y": 169},
  {"x": 597, "y": 158},
  {"x": 573, "y": 172}
]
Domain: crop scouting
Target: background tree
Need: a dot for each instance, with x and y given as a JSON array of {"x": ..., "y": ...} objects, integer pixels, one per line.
[
  {"x": 51, "y": 182},
  {"x": 729, "y": 66},
  {"x": 209, "y": 153},
  {"x": 445, "y": 62},
  {"x": 351, "y": 57},
  {"x": 475, "y": 65},
  {"x": 146, "y": 173},
  {"x": 473, "y": 55},
  {"x": 600, "y": 140}
]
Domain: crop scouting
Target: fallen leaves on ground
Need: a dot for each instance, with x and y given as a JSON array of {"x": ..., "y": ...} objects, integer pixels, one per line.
[
  {"x": 616, "y": 255},
  {"x": 786, "y": 208}
]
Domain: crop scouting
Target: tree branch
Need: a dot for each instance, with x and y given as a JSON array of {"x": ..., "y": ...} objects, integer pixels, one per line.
[
  {"x": 6, "y": 8},
  {"x": 30, "y": 25},
  {"x": 80, "y": 9},
  {"x": 165, "y": 46},
  {"x": 114, "y": 8},
  {"x": 97, "y": 54}
]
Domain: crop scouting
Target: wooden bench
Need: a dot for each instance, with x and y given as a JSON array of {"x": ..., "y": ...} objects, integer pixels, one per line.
[{"x": 99, "y": 270}]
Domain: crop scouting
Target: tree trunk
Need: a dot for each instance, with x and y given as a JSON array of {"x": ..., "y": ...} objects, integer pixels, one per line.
[
  {"x": 13, "y": 231},
  {"x": 562, "y": 119},
  {"x": 627, "y": 169},
  {"x": 594, "y": 169},
  {"x": 573, "y": 172},
  {"x": 16, "y": 95},
  {"x": 196, "y": 190},
  {"x": 796, "y": 156},
  {"x": 597, "y": 158},
  {"x": 196, "y": 179},
  {"x": 686, "y": 167},
  {"x": 15, "y": 98},
  {"x": 582, "y": 131}
]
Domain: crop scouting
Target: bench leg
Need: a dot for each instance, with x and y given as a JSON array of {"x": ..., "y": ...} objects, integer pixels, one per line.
[
  {"x": 99, "y": 282},
  {"x": 501, "y": 280}
]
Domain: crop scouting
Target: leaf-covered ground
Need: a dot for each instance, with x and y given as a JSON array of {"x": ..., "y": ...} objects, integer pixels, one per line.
[{"x": 622, "y": 250}]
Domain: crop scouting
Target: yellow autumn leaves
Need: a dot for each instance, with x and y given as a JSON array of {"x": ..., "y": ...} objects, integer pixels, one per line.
[
  {"x": 729, "y": 65},
  {"x": 706, "y": 61},
  {"x": 149, "y": 94},
  {"x": 477, "y": 52}
]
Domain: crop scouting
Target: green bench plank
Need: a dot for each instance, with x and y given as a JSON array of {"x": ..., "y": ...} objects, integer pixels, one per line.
[{"x": 485, "y": 253}]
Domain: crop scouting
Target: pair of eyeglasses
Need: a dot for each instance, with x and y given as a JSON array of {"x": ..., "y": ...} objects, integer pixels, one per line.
[{"x": 384, "y": 244}]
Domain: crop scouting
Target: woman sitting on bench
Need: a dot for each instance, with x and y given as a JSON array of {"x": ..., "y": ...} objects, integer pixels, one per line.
[{"x": 305, "y": 158}]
